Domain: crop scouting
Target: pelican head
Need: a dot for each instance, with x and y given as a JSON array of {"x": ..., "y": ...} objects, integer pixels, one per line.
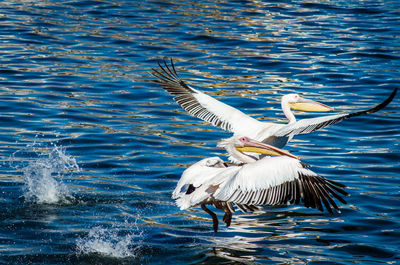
[
  {"x": 238, "y": 147},
  {"x": 297, "y": 102}
]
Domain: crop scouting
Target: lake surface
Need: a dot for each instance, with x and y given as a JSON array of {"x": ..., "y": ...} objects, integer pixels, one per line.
[{"x": 91, "y": 150}]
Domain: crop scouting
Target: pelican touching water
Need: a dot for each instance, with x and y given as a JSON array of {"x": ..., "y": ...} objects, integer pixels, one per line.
[
  {"x": 278, "y": 180},
  {"x": 228, "y": 118}
]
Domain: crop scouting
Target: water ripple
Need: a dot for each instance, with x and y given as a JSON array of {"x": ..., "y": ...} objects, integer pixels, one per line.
[{"x": 75, "y": 91}]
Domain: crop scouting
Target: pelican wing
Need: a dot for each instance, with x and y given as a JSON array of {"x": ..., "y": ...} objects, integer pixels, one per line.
[
  {"x": 310, "y": 125},
  {"x": 197, "y": 181},
  {"x": 197, "y": 174},
  {"x": 201, "y": 105},
  {"x": 277, "y": 181}
]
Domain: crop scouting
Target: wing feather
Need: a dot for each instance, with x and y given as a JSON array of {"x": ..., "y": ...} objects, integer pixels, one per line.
[
  {"x": 277, "y": 181},
  {"x": 201, "y": 105}
]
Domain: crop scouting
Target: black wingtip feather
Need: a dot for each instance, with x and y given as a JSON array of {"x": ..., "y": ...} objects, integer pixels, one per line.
[
  {"x": 377, "y": 107},
  {"x": 169, "y": 79}
]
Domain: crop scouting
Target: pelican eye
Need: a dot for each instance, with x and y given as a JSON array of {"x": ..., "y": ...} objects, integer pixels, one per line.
[{"x": 244, "y": 139}]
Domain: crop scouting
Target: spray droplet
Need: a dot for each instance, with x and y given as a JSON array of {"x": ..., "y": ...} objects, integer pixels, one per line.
[
  {"x": 42, "y": 177},
  {"x": 112, "y": 241}
]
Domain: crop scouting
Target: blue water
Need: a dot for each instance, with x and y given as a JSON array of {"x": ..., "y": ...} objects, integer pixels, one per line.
[{"x": 90, "y": 150}]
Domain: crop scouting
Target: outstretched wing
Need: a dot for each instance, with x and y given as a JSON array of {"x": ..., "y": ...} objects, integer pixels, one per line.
[
  {"x": 201, "y": 105},
  {"x": 280, "y": 180},
  {"x": 310, "y": 125}
]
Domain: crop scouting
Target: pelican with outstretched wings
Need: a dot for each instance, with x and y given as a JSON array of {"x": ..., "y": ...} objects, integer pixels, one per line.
[{"x": 228, "y": 118}]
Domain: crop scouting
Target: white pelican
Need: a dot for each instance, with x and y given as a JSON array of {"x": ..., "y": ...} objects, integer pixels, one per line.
[
  {"x": 275, "y": 180},
  {"x": 228, "y": 118}
]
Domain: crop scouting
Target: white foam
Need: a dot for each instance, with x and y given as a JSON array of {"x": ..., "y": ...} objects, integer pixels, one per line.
[
  {"x": 43, "y": 177},
  {"x": 112, "y": 242}
]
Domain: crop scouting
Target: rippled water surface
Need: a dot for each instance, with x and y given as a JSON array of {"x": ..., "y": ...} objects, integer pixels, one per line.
[{"x": 91, "y": 150}]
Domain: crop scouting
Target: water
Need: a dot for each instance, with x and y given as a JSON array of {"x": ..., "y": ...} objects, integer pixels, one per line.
[
  {"x": 90, "y": 150},
  {"x": 111, "y": 242},
  {"x": 41, "y": 184}
]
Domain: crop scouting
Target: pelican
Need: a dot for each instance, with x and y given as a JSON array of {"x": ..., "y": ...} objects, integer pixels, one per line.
[
  {"x": 230, "y": 119},
  {"x": 272, "y": 180}
]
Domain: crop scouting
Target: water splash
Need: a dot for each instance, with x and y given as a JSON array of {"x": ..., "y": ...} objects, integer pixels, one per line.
[
  {"x": 112, "y": 242},
  {"x": 42, "y": 177}
]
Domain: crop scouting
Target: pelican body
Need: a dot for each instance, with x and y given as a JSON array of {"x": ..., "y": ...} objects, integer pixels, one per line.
[
  {"x": 279, "y": 180},
  {"x": 230, "y": 119}
]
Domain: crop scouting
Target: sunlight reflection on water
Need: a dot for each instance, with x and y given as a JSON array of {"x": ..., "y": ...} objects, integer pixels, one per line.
[{"x": 76, "y": 73}]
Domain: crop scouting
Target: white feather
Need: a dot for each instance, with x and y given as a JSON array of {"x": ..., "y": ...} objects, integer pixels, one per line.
[{"x": 260, "y": 175}]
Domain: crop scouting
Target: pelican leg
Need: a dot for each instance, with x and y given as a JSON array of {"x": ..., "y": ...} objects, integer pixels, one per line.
[
  {"x": 213, "y": 216},
  {"x": 227, "y": 216}
]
